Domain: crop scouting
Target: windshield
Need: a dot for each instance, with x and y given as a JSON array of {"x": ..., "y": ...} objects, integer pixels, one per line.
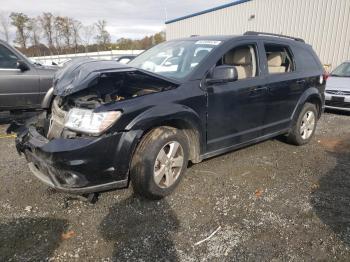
[
  {"x": 174, "y": 59},
  {"x": 342, "y": 71}
]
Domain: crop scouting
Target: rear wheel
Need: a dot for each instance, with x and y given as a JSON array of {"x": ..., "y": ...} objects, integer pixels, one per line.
[
  {"x": 304, "y": 127},
  {"x": 159, "y": 162}
]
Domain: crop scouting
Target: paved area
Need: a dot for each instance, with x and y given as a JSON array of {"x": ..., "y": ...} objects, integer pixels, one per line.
[{"x": 270, "y": 201}]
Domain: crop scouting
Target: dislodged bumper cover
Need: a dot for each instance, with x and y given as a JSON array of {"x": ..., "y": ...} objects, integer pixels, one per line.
[{"x": 81, "y": 165}]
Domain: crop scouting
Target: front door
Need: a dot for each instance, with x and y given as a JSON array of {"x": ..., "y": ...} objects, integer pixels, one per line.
[{"x": 236, "y": 110}]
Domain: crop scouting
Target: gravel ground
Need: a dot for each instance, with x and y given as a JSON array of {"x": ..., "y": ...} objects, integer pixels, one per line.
[{"x": 270, "y": 201}]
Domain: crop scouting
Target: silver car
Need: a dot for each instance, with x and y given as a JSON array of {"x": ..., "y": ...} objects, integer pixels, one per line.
[{"x": 338, "y": 88}]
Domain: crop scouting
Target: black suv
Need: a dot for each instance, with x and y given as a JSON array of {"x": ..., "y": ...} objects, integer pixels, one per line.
[{"x": 183, "y": 100}]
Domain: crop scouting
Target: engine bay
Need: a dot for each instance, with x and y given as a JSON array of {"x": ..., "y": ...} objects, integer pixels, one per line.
[
  {"x": 110, "y": 87},
  {"x": 114, "y": 87}
]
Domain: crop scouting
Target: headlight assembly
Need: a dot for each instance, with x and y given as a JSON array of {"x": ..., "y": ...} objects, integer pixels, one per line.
[{"x": 88, "y": 122}]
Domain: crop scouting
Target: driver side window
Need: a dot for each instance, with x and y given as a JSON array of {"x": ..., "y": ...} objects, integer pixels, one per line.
[
  {"x": 244, "y": 59},
  {"x": 7, "y": 59}
]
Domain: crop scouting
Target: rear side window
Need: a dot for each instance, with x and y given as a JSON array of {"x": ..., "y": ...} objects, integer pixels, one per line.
[
  {"x": 7, "y": 59},
  {"x": 308, "y": 60},
  {"x": 279, "y": 59}
]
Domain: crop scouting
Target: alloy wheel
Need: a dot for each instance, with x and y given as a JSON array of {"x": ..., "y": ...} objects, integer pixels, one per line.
[
  {"x": 307, "y": 125},
  {"x": 168, "y": 165}
]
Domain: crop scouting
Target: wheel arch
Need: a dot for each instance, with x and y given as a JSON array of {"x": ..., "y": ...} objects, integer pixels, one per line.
[
  {"x": 313, "y": 96},
  {"x": 180, "y": 117}
]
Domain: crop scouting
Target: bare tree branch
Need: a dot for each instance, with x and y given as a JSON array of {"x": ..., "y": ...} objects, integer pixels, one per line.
[{"x": 5, "y": 26}]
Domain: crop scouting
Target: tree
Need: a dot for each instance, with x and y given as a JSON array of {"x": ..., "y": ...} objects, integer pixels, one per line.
[
  {"x": 76, "y": 28},
  {"x": 159, "y": 37},
  {"x": 103, "y": 37},
  {"x": 34, "y": 33},
  {"x": 47, "y": 24},
  {"x": 87, "y": 34},
  {"x": 21, "y": 22},
  {"x": 4, "y": 26}
]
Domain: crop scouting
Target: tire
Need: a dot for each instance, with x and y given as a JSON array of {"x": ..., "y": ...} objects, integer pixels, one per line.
[
  {"x": 152, "y": 159},
  {"x": 304, "y": 127}
]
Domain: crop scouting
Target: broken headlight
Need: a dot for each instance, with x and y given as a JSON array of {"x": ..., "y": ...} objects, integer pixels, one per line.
[{"x": 88, "y": 122}]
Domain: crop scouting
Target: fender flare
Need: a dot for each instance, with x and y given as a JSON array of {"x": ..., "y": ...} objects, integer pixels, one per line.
[
  {"x": 175, "y": 115},
  {"x": 311, "y": 94}
]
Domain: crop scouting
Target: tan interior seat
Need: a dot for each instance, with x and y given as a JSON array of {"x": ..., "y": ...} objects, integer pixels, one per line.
[
  {"x": 242, "y": 60},
  {"x": 274, "y": 63}
]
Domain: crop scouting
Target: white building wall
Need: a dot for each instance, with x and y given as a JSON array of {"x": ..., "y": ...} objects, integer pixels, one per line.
[{"x": 325, "y": 24}]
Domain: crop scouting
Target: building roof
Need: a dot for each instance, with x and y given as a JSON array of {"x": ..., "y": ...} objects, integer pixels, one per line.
[{"x": 237, "y": 2}]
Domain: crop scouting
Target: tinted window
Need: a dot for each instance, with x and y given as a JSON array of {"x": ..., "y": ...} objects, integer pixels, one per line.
[
  {"x": 279, "y": 59},
  {"x": 244, "y": 59},
  {"x": 342, "y": 71},
  {"x": 307, "y": 60},
  {"x": 7, "y": 59}
]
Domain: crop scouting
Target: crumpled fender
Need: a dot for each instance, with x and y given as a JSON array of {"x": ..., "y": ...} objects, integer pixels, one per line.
[{"x": 166, "y": 113}]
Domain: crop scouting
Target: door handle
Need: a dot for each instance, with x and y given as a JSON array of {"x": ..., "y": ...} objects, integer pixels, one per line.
[
  {"x": 299, "y": 82},
  {"x": 256, "y": 91}
]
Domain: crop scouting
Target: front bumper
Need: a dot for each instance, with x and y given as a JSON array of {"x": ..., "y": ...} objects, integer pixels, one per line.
[
  {"x": 80, "y": 165},
  {"x": 341, "y": 104}
]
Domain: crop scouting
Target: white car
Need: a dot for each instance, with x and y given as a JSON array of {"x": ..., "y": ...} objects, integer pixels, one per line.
[{"x": 338, "y": 88}]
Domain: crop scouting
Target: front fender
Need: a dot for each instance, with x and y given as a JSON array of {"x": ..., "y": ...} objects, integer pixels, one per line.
[{"x": 168, "y": 114}]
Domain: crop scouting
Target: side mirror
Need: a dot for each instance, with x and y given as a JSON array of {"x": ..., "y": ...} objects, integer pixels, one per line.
[
  {"x": 223, "y": 74},
  {"x": 22, "y": 66}
]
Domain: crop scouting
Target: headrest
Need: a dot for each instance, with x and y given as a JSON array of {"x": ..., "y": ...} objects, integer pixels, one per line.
[
  {"x": 274, "y": 59},
  {"x": 238, "y": 57}
]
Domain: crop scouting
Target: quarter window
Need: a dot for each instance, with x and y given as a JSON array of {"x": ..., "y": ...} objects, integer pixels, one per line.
[
  {"x": 279, "y": 59},
  {"x": 7, "y": 59},
  {"x": 244, "y": 59}
]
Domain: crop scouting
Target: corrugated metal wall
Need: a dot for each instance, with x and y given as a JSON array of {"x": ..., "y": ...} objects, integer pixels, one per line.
[{"x": 325, "y": 24}]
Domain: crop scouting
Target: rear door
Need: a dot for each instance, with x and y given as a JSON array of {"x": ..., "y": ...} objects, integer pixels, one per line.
[
  {"x": 284, "y": 86},
  {"x": 18, "y": 89},
  {"x": 236, "y": 110}
]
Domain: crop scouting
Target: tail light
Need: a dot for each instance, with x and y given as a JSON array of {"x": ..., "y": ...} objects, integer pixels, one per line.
[{"x": 325, "y": 76}]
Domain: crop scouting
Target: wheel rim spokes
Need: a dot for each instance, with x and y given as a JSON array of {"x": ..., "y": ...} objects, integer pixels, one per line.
[
  {"x": 168, "y": 165},
  {"x": 307, "y": 125}
]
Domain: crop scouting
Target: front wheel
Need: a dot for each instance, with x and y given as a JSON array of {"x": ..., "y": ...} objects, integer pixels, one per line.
[
  {"x": 159, "y": 162},
  {"x": 304, "y": 127}
]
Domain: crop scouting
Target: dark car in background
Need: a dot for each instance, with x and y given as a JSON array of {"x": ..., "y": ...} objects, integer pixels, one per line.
[
  {"x": 23, "y": 83},
  {"x": 110, "y": 124}
]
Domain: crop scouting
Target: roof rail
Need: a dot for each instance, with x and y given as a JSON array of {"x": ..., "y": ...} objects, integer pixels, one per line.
[{"x": 276, "y": 35}]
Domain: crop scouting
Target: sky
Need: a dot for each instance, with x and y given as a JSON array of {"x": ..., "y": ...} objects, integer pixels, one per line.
[{"x": 125, "y": 18}]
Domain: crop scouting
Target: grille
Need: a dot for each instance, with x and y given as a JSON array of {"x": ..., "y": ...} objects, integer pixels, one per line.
[
  {"x": 337, "y": 104},
  {"x": 335, "y": 92}
]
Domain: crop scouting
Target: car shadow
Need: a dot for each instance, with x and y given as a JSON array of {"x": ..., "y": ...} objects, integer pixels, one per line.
[
  {"x": 337, "y": 112},
  {"x": 7, "y": 118},
  {"x": 30, "y": 239},
  {"x": 140, "y": 230},
  {"x": 331, "y": 196}
]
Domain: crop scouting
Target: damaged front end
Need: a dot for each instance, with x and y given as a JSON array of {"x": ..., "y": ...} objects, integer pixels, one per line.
[{"x": 77, "y": 145}]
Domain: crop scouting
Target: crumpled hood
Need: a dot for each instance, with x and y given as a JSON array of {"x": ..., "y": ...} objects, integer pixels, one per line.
[
  {"x": 80, "y": 74},
  {"x": 338, "y": 83}
]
